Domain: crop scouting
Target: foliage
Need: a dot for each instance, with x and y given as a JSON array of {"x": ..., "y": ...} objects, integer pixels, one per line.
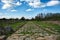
[{"x": 48, "y": 16}]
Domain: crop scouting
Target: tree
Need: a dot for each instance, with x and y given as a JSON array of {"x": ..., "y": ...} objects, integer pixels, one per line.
[
  {"x": 22, "y": 18},
  {"x": 39, "y": 17},
  {"x": 32, "y": 18},
  {"x": 52, "y": 16},
  {"x": 4, "y": 18}
]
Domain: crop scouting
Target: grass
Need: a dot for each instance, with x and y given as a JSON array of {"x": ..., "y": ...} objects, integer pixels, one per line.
[
  {"x": 15, "y": 26},
  {"x": 29, "y": 29},
  {"x": 49, "y": 25}
]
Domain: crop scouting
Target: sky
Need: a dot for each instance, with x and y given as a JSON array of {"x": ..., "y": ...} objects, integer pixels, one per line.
[{"x": 27, "y": 8}]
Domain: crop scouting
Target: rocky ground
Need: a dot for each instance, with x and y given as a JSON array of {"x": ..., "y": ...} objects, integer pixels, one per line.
[{"x": 31, "y": 31}]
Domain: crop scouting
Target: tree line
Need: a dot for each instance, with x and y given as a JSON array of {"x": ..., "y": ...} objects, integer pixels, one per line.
[
  {"x": 40, "y": 16},
  {"x": 48, "y": 17}
]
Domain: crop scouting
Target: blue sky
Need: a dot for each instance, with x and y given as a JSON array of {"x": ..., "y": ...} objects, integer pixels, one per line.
[{"x": 27, "y": 8}]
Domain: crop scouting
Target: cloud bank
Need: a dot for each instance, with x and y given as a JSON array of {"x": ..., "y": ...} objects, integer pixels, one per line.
[
  {"x": 9, "y": 4},
  {"x": 39, "y": 4},
  {"x": 32, "y": 3}
]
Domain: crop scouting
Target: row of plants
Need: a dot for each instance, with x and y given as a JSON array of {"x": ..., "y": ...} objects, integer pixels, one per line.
[
  {"x": 51, "y": 26},
  {"x": 33, "y": 29},
  {"x": 8, "y": 28}
]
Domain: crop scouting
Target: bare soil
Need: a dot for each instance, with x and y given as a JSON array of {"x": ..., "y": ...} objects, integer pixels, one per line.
[{"x": 30, "y": 31}]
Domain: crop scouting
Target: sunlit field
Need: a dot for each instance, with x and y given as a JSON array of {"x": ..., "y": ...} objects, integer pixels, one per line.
[
  {"x": 29, "y": 29},
  {"x": 38, "y": 28},
  {"x": 29, "y": 19}
]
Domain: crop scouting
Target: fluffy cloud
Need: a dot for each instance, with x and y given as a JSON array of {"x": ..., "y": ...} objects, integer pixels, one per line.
[
  {"x": 5, "y": 6},
  {"x": 52, "y": 3},
  {"x": 13, "y": 10},
  {"x": 27, "y": 0},
  {"x": 10, "y": 4},
  {"x": 28, "y": 10},
  {"x": 31, "y": 3},
  {"x": 39, "y": 4},
  {"x": 18, "y": 3},
  {"x": 7, "y": 1},
  {"x": 35, "y": 4}
]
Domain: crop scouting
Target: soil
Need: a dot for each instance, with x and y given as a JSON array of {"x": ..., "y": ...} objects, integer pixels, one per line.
[{"x": 31, "y": 31}]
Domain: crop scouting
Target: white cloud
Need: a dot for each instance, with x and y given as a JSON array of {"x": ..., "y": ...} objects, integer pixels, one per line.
[
  {"x": 35, "y": 4},
  {"x": 52, "y": 3},
  {"x": 32, "y": 3},
  {"x": 28, "y": 10},
  {"x": 7, "y": 1},
  {"x": 6, "y": 6},
  {"x": 9, "y": 4},
  {"x": 13, "y": 10},
  {"x": 18, "y": 3},
  {"x": 39, "y": 4},
  {"x": 27, "y": 0}
]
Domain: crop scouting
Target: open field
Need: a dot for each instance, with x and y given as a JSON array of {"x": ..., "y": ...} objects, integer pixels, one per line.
[
  {"x": 29, "y": 19},
  {"x": 32, "y": 30},
  {"x": 52, "y": 25},
  {"x": 10, "y": 26}
]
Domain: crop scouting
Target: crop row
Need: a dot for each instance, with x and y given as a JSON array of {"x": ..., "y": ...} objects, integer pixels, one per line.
[
  {"x": 7, "y": 28},
  {"x": 48, "y": 26}
]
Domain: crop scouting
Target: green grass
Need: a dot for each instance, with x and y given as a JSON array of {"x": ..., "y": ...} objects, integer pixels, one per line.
[
  {"x": 26, "y": 32},
  {"x": 13, "y": 25},
  {"x": 17, "y": 25},
  {"x": 48, "y": 25}
]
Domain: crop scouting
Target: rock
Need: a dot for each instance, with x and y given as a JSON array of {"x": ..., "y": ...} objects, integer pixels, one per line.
[{"x": 40, "y": 38}]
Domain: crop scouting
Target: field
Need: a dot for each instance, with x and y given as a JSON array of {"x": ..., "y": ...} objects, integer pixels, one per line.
[
  {"x": 30, "y": 30},
  {"x": 49, "y": 25},
  {"x": 7, "y": 27}
]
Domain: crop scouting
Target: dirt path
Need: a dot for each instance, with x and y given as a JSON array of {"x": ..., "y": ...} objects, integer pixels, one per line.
[{"x": 31, "y": 32}]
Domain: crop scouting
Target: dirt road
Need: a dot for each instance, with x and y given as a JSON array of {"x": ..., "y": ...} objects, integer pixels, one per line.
[{"x": 31, "y": 32}]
